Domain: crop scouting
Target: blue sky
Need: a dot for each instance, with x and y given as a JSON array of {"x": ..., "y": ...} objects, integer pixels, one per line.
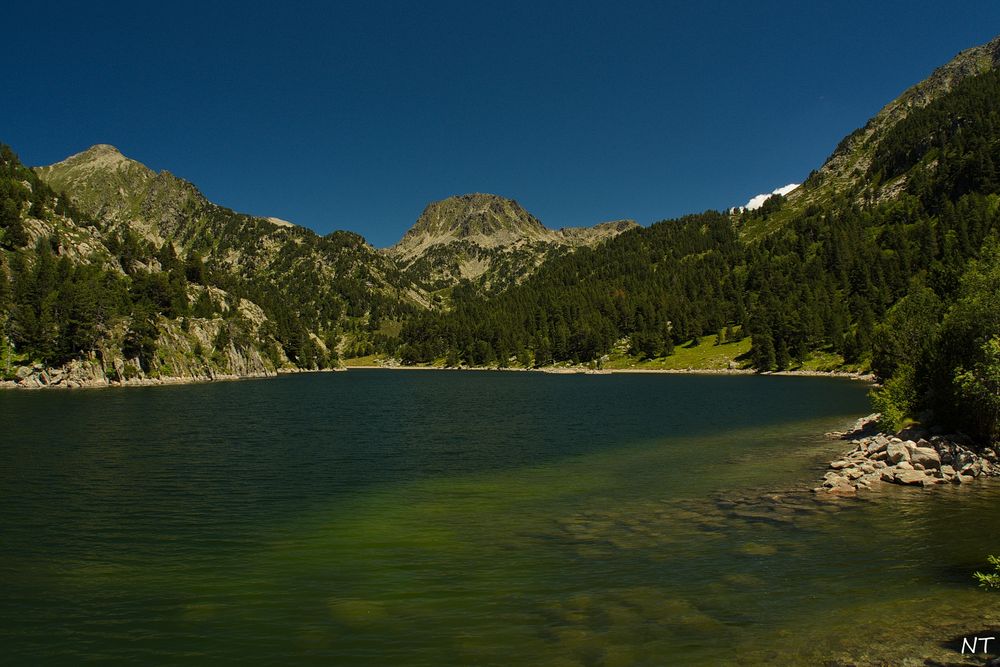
[{"x": 355, "y": 116}]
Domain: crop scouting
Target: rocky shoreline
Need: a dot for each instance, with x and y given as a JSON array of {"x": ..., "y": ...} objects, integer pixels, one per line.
[
  {"x": 915, "y": 456},
  {"x": 585, "y": 370},
  {"x": 88, "y": 375}
]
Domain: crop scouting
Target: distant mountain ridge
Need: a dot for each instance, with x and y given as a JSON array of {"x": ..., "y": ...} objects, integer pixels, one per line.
[{"x": 480, "y": 237}]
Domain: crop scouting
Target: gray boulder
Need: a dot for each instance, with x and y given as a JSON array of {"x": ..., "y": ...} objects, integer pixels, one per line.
[
  {"x": 925, "y": 456},
  {"x": 971, "y": 469},
  {"x": 910, "y": 477},
  {"x": 896, "y": 452},
  {"x": 877, "y": 444}
]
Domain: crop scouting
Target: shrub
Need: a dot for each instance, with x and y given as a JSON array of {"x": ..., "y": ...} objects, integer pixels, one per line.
[
  {"x": 990, "y": 580},
  {"x": 895, "y": 399}
]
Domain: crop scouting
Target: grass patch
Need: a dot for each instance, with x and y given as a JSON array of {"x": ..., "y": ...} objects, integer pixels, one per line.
[
  {"x": 369, "y": 360},
  {"x": 706, "y": 355}
]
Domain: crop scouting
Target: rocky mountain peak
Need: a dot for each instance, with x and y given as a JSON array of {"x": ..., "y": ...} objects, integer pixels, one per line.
[
  {"x": 103, "y": 157},
  {"x": 114, "y": 189},
  {"x": 102, "y": 149},
  {"x": 486, "y": 220}
]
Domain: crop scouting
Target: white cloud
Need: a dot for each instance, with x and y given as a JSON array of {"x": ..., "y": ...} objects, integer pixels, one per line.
[{"x": 758, "y": 201}]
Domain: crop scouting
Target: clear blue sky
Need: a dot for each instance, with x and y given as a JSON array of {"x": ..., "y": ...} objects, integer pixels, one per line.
[{"x": 355, "y": 116}]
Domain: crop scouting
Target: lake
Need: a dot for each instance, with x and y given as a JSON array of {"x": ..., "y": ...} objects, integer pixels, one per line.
[{"x": 465, "y": 517}]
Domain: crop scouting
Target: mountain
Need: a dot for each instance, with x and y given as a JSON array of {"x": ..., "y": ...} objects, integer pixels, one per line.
[
  {"x": 854, "y": 169},
  {"x": 336, "y": 285},
  {"x": 125, "y": 274},
  {"x": 79, "y": 308},
  {"x": 488, "y": 239},
  {"x": 122, "y": 194},
  {"x": 186, "y": 288}
]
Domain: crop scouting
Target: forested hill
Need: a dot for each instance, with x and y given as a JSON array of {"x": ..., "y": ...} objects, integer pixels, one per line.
[
  {"x": 133, "y": 275},
  {"x": 856, "y": 168},
  {"x": 906, "y": 282}
]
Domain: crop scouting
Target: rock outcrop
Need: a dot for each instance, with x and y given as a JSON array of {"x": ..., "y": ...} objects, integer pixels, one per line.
[
  {"x": 191, "y": 350},
  {"x": 912, "y": 457}
]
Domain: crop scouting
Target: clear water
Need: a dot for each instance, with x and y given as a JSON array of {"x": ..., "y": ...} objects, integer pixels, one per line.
[{"x": 430, "y": 518}]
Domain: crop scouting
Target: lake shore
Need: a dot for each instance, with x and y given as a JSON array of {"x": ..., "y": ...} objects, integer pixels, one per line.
[
  {"x": 575, "y": 370},
  {"x": 914, "y": 456},
  {"x": 58, "y": 379},
  {"x": 61, "y": 378}
]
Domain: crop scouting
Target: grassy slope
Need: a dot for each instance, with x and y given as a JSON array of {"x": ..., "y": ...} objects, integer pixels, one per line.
[{"x": 706, "y": 356}]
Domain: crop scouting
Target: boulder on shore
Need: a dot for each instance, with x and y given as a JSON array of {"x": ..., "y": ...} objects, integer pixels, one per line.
[
  {"x": 925, "y": 456},
  {"x": 913, "y": 457},
  {"x": 896, "y": 452},
  {"x": 910, "y": 477}
]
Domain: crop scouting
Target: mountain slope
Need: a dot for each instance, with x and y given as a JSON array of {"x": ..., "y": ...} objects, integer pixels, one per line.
[
  {"x": 848, "y": 172},
  {"x": 325, "y": 285},
  {"x": 77, "y": 308},
  {"x": 488, "y": 239}
]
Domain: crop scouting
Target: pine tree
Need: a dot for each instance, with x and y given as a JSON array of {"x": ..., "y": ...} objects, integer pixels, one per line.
[
  {"x": 781, "y": 355},
  {"x": 6, "y": 295},
  {"x": 762, "y": 352}
]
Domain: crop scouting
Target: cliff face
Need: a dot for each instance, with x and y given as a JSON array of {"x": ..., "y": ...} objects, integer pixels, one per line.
[{"x": 237, "y": 344}]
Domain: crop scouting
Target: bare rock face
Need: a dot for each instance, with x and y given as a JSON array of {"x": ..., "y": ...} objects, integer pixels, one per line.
[{"x": 486, "y": 220}]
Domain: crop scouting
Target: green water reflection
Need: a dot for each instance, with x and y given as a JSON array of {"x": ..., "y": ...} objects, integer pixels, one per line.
[{"x": 474, "y": 519}]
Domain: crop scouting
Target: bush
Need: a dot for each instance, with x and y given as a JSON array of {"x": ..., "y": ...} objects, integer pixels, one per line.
[
  {"x": 895, "y": 399},
  {"x": 965, "y": 369},
  {"x": 990, "y": 580},
  {"x": 979, "y": 388}
]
